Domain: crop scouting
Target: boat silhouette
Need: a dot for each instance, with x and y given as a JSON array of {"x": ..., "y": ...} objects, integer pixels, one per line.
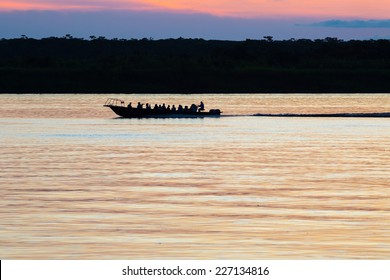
[{"x": 118, "y": 107}]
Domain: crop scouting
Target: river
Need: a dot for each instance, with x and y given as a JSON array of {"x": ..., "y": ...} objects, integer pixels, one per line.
[{"x": 78, "y": 183}]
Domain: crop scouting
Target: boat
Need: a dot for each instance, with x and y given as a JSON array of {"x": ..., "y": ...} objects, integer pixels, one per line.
[{"x": 118, "y": 107}]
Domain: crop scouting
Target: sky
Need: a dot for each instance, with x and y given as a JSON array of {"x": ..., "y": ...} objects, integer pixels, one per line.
[{"x": 210, "y": 19}]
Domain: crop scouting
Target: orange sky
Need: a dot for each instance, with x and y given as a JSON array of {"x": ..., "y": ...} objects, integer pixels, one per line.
[{"x": 378, "y": 9}]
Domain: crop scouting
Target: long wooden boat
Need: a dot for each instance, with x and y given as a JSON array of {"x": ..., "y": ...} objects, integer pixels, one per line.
[{"x": 119, "y": 108}]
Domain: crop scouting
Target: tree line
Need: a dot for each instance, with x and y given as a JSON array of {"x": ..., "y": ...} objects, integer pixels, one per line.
[{"x": 100, "y": 65}]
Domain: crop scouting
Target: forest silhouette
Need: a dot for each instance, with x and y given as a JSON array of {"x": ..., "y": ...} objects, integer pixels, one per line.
[{"x": 100, "y": 65}]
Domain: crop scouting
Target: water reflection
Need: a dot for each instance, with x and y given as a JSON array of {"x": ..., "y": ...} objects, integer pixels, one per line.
[{"x": 80, "y": 184}]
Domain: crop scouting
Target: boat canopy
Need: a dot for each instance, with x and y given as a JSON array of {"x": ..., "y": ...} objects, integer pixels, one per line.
[{"x": 114, "y": 102}]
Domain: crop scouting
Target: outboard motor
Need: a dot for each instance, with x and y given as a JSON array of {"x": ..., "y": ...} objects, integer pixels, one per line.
[{"x": 215, "y": 111}]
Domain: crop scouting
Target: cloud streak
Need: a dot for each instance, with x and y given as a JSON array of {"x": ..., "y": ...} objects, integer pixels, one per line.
[
  {"x": 353, "y": 23},
  {"x": 223, "y": 8},
  {"x": 81, "y": 5}
]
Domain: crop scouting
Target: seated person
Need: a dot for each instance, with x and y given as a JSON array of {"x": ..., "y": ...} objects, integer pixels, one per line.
[
  {"x": 201, "y": 106},
  {"x": 193, "y": 108}
]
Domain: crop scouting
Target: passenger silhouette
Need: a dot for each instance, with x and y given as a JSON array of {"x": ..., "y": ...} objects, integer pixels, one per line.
[
  {"x": 201, "y": 106},
  {"x": 193, "y": 108}
]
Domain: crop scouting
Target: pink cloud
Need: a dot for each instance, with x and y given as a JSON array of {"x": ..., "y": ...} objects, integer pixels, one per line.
[
  {"x": 270, "y": 8},
  {"x": 76, "y": 5},
  {"x": 234, "y": 8}
]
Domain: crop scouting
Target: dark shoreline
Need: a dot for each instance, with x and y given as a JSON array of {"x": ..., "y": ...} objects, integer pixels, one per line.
[{"x": 74, "y": 65}]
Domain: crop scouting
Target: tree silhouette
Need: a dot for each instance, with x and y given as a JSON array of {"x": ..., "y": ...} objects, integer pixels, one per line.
[{"x": 70, "y": 64}]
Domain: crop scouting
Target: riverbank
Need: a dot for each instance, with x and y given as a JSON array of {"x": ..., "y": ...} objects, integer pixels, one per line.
[{"x": 63, "y": 65}]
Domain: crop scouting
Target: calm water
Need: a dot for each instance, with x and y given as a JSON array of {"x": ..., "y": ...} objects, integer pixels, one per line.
[{"x": 78, "y": 183}]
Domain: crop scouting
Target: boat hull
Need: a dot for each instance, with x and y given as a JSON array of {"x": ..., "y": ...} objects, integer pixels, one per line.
[{"x": 126, "y": 112}]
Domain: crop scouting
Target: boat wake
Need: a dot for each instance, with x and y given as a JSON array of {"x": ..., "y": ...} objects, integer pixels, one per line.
[{"x": 332, "y": 115}]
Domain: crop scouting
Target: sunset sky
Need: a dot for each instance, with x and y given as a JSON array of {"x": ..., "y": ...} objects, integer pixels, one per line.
[{"x": 211, "y": 19}]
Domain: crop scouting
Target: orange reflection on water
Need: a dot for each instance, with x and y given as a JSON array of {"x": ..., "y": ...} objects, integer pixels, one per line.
[{"x": 92, "y": 187}]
